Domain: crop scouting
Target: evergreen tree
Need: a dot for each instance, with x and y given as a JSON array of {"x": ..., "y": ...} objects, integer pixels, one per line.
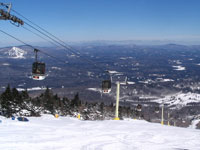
[
  {"x": 76, "y": 101},
  {"x": 48, "y": 100},
  {"x": 7, "y": 102},
  {"x": 25, "y": 95},
  {"x": 102, "y": 108},
  {"x": 65, "y": 106},
  {"x": 17, "y": 99}
]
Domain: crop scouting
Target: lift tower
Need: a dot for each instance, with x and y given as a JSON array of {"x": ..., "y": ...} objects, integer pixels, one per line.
[{"x": 118, "y": 97}]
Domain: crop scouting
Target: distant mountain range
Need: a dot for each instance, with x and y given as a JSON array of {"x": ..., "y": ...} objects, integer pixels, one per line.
[
  {"x": 132, "y": 42},
  {"x": 154, "y": 70}
]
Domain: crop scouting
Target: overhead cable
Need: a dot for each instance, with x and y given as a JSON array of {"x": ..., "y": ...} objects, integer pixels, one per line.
[{"x": 57, "y": 40}]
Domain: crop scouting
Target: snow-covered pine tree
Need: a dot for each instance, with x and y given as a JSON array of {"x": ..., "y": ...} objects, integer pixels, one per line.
[{"x": 7, "y": 102}]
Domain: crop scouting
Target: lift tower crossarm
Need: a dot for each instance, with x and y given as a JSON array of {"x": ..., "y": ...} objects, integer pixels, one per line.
[{"x": 5, "y": 15}]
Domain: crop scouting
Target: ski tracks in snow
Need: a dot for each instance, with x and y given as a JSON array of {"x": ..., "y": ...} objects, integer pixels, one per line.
[{"x": 66, "y": 133}]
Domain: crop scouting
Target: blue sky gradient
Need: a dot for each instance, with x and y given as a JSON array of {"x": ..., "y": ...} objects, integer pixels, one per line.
[{"x": 90, "y": 20}]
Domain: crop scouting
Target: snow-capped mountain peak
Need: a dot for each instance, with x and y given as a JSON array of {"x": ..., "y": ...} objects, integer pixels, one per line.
[{"x": 16, "y": 53}]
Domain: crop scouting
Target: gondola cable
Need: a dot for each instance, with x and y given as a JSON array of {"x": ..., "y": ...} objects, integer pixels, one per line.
[
  {"x": 40, "y": 36},
  {"x": 58, "y": 41},
  {"x": 39, "y": 26},
  {"x": 106, "y": 84}
]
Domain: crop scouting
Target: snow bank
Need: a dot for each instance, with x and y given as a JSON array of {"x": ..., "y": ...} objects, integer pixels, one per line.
[{"x": 64, "y": 133}]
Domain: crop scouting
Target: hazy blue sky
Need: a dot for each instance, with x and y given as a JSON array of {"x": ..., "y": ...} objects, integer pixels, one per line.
[{"x": 88, "y": 20}]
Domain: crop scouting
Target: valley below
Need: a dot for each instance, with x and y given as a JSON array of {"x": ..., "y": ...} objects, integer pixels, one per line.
[{"x": 156, "y": 75}]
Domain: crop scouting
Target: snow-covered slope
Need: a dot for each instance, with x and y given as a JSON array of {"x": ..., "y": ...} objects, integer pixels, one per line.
[
  {"x": 16, "y": 53},
  {"x": 64, "y": 133},
  {"x": 180, "y": 99}
]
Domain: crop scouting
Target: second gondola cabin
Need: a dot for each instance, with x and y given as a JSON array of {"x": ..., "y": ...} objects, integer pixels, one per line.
[
  {"x": 106, "y": 86},
  {"x": 139, "y": 107},
  {"x": 156, "y": 110}
]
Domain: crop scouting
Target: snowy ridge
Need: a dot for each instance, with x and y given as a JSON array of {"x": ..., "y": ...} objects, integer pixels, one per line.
[
  {"x": 65, "y": 133},
  {"x": 180, "y": 99},
  {"x": 179, "y": 68},
  {"x": 130, "y": 82},
  {"x": 5, "y": 64},
  {"x": 113, "y": 72},
  {"x": 16, "y": 53},
  {"x": 56, "y": 68},
  {"x": 32, "y": 89},
  {"x": 164, "y": 80},
  {"x": 94, "y": 89}
]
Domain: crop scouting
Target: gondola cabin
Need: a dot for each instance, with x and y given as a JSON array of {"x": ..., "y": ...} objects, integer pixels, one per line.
[
  {"x": 38, "y": 71},
  {"x": 106, "y": 86},
  {"x": 156, "y": 110},
  {"x": 139, "y": 107}
]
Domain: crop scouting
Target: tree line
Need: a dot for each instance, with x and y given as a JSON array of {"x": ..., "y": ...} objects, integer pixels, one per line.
[{"x": 15, "y": 103}]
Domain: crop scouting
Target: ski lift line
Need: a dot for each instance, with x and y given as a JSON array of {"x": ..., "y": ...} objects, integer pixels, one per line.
[
  {"x": 66, "y": 48},
  {"x": 16, "y": 38},
  {"x": 73, "y": 52},
  {"x": 42, "y": 28},
  {"x": 53, "y": 57},
  {"x": 63, "y": 44},
  {"x": 80, "y": 56},
  {"x": 32, "y": 46},
  {"x": 39, "y": 36},
  {"x": 50, "y": 35}
]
